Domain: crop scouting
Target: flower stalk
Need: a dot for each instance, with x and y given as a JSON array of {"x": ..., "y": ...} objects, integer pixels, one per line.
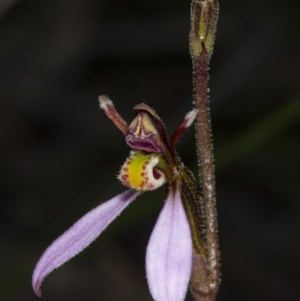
[{"x": 205, "y": 276}]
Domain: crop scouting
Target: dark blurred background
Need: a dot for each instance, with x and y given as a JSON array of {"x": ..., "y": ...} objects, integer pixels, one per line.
[{"x": 59, "y": 154}]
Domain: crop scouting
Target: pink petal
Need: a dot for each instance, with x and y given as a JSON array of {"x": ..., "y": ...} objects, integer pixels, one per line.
[
  {"x": 169, "y": 252},
  {"x": 79, "y": 236}
]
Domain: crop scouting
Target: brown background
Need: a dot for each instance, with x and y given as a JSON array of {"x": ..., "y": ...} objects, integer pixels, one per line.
[{"x": 59, "y": 155}]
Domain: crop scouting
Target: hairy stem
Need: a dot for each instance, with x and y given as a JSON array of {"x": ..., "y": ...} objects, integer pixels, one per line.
[{"x": 206, "y": 271}]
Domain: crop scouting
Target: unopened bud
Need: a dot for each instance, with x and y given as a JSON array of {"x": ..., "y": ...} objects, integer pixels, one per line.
[{"x": 204, "y": 15}]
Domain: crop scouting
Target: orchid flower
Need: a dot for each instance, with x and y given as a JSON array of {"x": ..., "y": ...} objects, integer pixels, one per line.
[{"x": 178, "y": 232}]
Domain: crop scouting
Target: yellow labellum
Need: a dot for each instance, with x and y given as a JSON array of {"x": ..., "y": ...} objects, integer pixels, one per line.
[{"x": 139, "y": 172}]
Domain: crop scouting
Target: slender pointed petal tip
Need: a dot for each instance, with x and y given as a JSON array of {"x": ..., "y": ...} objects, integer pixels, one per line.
[
  {"x": 79, "y": 236},
  {"x": 190, "y": 117},
  {"x": 169, "y": 252}
]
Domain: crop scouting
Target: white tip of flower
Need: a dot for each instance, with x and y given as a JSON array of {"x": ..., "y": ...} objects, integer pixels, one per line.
[
  {"x": 104, "y": 102},
  {"x": 190, "y": 117}
]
